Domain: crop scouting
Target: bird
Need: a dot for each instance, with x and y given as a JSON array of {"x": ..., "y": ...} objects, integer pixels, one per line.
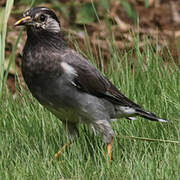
[{"x": 69, "y": 85}]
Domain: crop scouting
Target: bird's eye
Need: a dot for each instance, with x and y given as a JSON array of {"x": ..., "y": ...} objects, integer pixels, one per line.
[{"x": 42, "y": 17}]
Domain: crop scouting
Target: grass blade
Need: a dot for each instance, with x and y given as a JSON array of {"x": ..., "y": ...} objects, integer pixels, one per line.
[{"x": 9, "y": 5}]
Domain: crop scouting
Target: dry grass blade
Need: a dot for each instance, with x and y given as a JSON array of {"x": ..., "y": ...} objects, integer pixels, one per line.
[{"x": 150, "y": 139}]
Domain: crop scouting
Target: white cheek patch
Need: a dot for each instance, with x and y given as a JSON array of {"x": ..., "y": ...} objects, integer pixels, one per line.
[{"x": 52, "y": 25}]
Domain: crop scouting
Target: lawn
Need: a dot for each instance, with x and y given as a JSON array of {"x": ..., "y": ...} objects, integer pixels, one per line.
[{"x": 30, "y": 135}]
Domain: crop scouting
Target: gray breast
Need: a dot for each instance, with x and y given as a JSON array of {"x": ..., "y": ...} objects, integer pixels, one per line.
[{"x": 64, "y": 100}]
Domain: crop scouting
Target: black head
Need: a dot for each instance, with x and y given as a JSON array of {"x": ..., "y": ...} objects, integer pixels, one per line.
[{"x": 40, "y": 18}]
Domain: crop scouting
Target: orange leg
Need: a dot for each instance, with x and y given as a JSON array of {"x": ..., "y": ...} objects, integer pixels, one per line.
[
  {"x": 109, "y": 150},
  {"x": 58, "y": 154}
]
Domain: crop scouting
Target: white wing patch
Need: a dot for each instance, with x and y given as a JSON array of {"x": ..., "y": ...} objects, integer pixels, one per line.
[
  {"x": 69, "y": 72},
  {"x": 68, "y": 69}
]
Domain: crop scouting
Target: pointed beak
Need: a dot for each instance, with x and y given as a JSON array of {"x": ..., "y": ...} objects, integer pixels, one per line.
[{"x": 23, "y": 21}]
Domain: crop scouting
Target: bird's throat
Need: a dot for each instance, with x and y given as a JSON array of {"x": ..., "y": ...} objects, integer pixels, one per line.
[{"x": 46, "y": 38}]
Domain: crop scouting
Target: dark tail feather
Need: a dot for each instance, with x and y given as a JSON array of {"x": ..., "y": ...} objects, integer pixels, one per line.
[{"x": 149, "y": 115}]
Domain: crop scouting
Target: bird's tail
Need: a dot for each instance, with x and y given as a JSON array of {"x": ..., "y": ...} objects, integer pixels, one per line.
[{"x": 149, "y": 115}]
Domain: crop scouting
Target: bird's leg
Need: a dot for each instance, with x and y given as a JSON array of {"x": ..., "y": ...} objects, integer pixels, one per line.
[
  {"x": 72, "y": 134},
  {"x": 58, "y": 154},
  {"x": 104, "y": 127},
  {"x": 109, "y": 150}
]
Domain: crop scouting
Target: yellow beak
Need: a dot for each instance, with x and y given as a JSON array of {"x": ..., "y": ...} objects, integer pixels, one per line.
[{"x": 23, "y": 21}]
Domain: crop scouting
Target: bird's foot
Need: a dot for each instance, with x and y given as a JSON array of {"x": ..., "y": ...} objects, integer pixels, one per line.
[
  {"x": 109, "y": 150},
  {"x": 58, "y": 154}
]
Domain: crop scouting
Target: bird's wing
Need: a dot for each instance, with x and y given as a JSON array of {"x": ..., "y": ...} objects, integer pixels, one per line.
[{"x": 90, "y": 80}]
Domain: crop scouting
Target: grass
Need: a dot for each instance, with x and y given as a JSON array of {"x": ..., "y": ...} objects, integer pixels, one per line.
[
  {"x": 3, "y": 29},
  {"x": 30, "y": 135}
]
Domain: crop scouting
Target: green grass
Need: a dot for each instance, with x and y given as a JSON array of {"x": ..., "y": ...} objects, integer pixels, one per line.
[
  {"x": 4, "y": 15},
  {"x": 30, "y": 135}
]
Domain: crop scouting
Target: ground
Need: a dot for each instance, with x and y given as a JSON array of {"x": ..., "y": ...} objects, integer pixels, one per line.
[
  {"x": 157, "y": 24},
  {"x": 136, "y": 46}
]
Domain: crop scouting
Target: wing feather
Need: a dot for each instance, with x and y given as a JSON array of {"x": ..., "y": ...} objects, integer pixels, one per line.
[{"x": 90, "y": 80}]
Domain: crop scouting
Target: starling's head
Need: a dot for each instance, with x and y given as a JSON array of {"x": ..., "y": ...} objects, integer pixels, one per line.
[{"x": 40, "y": 18}]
